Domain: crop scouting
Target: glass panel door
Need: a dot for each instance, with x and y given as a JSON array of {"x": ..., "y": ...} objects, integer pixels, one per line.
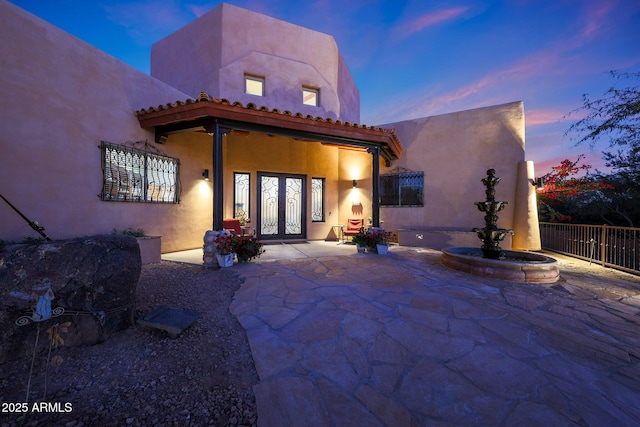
[
  {"x": 282, "y": 207},
  {"x": 269, "y": 204},
  {"x": 293, "y": 213}
]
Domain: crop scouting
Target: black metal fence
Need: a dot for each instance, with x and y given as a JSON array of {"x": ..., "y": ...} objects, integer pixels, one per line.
[{"x": 617, "y": 247}]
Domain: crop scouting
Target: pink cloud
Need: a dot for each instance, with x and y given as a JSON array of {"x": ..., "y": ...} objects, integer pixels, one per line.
[
  {"x": 595, "y": 19},
  {"x": 421, "y": 22},
  {"x": 543, "y": 117}
]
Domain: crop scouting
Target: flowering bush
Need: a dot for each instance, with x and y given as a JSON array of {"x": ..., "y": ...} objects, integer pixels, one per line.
[
  {"x": 377, "y": 236},
  {"x": 362, "y": 238},
  {"x": 563, "y": 189},
  {"x": 371, "y": 237},
  {"x": 224, "y": 244},
  {"x": 246, "y": 247}
]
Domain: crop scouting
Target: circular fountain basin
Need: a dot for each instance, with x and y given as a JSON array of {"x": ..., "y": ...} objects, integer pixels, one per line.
[{"x": 514, "y": 266}]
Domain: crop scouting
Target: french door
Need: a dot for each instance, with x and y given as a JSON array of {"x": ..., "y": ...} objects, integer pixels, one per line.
[{"x": 281, "y": 206}]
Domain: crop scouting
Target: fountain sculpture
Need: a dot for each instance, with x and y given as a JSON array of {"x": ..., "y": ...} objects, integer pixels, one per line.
[
  {"x": 491, "y": 235},
  {"x": 492, "y": 261}
]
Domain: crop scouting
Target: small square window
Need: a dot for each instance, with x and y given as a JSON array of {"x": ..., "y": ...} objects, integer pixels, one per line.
[
  {"x": 254, "y": 85},
  {"x": 310, "y": 96}
]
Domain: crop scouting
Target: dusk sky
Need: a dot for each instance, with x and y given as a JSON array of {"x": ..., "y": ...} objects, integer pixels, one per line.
[{"x": 413, "y": 59}]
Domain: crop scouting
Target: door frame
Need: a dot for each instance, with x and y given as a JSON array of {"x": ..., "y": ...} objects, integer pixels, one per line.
[{"x": 281, "y": 206}]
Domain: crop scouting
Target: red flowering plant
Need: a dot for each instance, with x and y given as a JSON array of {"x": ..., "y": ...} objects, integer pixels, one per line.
[
  {"x": 224, "y": 244},
  {"x": 377, "y": 236},
  {"x": 362, "y": 238},
  {"x": 246, "y": 247},
  {"x": 562, "y": 187}
]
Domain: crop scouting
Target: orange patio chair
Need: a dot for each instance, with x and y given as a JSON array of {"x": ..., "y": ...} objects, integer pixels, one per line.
[{"x": 353, "y": 227}]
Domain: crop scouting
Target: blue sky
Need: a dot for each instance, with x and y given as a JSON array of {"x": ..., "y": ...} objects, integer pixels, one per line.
[{"x": 417, "y": 58}]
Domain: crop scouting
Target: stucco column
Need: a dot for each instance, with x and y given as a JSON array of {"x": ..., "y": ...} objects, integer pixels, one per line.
[{"x": 525, "y": 221}]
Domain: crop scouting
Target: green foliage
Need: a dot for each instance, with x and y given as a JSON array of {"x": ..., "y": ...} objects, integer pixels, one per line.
[
  {"x": 614, "y": 116},
  {"x": 139, "y": 232},
  {"x": 589, "y": 198}
]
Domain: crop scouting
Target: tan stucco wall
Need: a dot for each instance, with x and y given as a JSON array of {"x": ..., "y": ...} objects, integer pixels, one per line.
[
  {"x": 60, "y": 98},
  {"x": 214, "y": 52},
  {"x": 454, "y": 151}
]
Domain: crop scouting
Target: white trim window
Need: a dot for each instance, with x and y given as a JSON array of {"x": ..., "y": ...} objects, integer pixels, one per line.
[
  {"x": 253, "y": 85},
  {"x": 310, "y": 96}
]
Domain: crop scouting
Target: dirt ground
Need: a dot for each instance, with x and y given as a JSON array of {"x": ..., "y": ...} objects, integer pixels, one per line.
[{"x": 140, "y": 376}]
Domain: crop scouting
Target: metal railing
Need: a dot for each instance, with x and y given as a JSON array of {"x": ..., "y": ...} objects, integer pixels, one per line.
[{"x": 617, "y": 247}]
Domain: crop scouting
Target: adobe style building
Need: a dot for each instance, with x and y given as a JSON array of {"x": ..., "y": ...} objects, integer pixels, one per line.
[{"x": 233, "y": 120}]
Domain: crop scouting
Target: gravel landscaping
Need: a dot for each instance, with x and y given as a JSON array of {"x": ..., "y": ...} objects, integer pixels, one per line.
[{"x": 140, "y": 376}]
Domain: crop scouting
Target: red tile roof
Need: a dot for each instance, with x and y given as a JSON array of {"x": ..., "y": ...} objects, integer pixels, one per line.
[{"x": 206, "y": 106}]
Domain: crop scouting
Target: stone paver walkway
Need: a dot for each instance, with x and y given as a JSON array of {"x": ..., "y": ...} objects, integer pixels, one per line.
[{"x": 399, "y": 340}]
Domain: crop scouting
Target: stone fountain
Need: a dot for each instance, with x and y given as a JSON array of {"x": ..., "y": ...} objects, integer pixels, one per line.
[
  {"x": 491, "y": 260},
  {"x": 491, "y": 235}
]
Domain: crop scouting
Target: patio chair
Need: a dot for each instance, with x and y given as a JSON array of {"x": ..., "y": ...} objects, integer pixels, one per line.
[
  {"x": 233, "y": 225},
  {"x": 353, "y": 227}
]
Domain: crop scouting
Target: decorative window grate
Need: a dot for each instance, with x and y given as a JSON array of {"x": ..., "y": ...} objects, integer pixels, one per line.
[
  {"x": 241, "y": 193},
  {"x": 317, "y": 199},
  {"x": 132, "y": 175},
  {"x": 402, "y": 189}
]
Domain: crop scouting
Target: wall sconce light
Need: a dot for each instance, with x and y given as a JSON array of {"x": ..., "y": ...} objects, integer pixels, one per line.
[
  {"x": 538, "y": 183},
  {"x": 205, "y": 174},
  {"x": 355, "y": 183}
]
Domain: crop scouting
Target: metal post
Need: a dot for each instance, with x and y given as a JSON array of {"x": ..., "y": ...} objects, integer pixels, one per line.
[
  {"x": 375, "y": 178},
  {"x": 218, "y": 172},
  {"x": 603, "y": 243}
]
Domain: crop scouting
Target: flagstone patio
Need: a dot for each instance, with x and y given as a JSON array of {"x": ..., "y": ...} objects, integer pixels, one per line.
[{"x": 347, "y": 339}]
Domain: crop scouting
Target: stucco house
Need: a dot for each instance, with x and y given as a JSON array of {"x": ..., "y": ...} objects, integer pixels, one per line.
[{"x": 232, "y": 119}]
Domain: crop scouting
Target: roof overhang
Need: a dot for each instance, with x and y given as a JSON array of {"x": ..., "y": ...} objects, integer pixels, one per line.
[{"x": 206, "y": 112}]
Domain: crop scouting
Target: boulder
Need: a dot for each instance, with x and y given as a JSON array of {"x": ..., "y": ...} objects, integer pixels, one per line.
[{"x": 90, "y": 282}]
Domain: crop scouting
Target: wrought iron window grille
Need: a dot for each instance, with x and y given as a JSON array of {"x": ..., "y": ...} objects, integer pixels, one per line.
[
  {"x": 402, "y": 189},
  {"x": 317, "y": 199},
  {"x": 133, "y": 175}
]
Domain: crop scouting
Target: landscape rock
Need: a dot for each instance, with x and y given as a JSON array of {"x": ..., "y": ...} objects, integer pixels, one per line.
[{"x": 89, "y": 282}]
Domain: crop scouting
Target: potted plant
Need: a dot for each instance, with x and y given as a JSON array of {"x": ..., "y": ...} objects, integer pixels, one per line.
[
  {"x": 246, "y": 247},
  {"x": 380, "y": 239},
  {"x": 244, "y": 220},
  {"x": 360, "y": 240},
  {"x": 224, "y": 249}
]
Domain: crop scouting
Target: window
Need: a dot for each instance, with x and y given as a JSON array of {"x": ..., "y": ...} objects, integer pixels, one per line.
[
  {"x": 310, "y": 96},
  {"x": 241, "y": 192},
  {"x": 402, "y": 189},
  {"x": 132, "y": 175},
  {"x": 317, "y": 199},
  {"x": 254, "y": 85}
]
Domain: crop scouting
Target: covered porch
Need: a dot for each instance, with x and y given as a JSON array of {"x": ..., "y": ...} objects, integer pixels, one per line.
[{"x": 267, "y": 148}]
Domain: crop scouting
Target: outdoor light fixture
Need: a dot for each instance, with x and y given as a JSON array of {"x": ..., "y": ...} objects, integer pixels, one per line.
[
  {"x": 355, "y": 183},
  {"x": 205, "y": 174},
  {"x": 538, "y": 183}
]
